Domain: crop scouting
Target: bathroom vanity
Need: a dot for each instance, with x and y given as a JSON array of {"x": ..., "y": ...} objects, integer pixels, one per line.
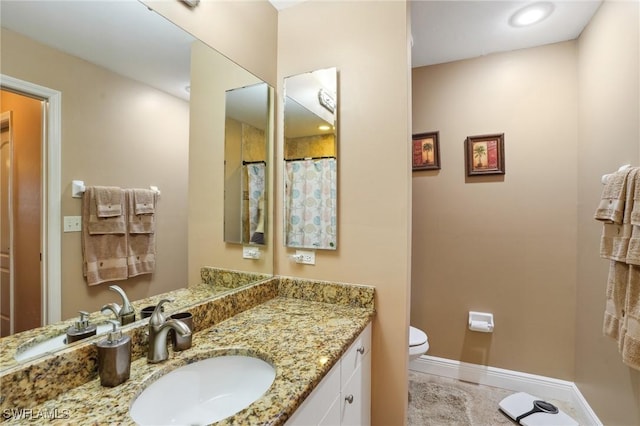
[
  {"x": 311, "y": 332},
  {"x": 343, "y": 397}
]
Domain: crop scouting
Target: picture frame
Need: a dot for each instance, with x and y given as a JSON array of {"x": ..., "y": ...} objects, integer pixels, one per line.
[
  {"x": 425, "y": 151},
  {"x": 484, "y": 155}
]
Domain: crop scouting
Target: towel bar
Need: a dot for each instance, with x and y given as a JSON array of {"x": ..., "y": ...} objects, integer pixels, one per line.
[
  {"x": 78, "y": 188},
  {"x": 606, "y": 177}
]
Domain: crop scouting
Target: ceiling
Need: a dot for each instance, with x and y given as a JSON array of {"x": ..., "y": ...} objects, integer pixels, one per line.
[
  {"x": 446, "y": 31},
  {"x": 149, "y": 50},
  {"x": 122, "y": 36}
]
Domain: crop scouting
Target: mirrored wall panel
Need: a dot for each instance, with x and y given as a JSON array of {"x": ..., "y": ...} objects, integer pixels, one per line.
[
  {"x": 153, "y": 53},
  {"x": 310, "y": 156},
  {"x": 245, "y": 164}
]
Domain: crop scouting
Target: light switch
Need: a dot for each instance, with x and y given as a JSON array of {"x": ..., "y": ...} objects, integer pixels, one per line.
[{"x": 72, "y": 223}]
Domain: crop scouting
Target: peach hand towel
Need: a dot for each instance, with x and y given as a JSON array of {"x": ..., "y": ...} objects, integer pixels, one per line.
[
  {"x": 633, "y": 251},
  {"x": 611, "y": 207},
  {"x": 635, "y": 212},
  {"x": 141, "y": 223},
  {"x": 144, "y": 201},
  {"x": 141, "y": 246},
  {"x": 104, "y": 254},
  {"x": 614, "y": 243},
  {"x": 103, "y": 225},
  {"x": 631, "y": 325},
  {"x": 108, "y": 201},
  {"x": 616, "y": 295}
]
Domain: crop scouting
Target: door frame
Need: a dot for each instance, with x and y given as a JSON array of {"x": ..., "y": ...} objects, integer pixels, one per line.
[
  {"x": 7, "y": 117},
  {"x": 51, "y": 208}
]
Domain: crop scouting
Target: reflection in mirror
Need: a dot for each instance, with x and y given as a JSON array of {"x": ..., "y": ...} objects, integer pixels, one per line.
[
  {"x": 27, "y": 41},
  {"x": 310, "y": 155},
  {"x": 245, "y": 163}
]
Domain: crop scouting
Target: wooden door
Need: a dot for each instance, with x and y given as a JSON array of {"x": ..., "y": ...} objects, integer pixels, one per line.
[{"x": 25, "y": 204}]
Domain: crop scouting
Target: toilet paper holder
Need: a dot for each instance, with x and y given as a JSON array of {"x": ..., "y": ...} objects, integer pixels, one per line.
[{"x": 481, "y": 321}]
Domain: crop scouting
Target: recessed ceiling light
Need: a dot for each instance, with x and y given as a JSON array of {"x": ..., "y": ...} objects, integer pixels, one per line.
[{"x": 531, "y": 14}]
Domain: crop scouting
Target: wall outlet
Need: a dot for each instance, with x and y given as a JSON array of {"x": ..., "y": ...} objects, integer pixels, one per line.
[
  {"x": 72, "y": 223},
  {"x": 306, "y": 257},
  {"x": 250, "y": 252}
]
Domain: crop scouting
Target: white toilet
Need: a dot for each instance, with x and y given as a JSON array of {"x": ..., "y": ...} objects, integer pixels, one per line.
[{"x": 418, "y": 343}]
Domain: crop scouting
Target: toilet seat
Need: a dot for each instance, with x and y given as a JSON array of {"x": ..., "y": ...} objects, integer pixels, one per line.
[
  {"x": 418, "y": 343},
  {"x": 417, "y": 337}
]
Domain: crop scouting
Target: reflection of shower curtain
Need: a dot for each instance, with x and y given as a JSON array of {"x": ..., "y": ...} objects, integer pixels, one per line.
[
  {"x": 255, "y": 175},
  {"x": 311, "y": 207}
]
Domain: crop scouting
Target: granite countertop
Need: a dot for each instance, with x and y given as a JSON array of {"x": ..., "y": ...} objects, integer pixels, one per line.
[
  {"x": 302, "y": 338},
  {"x": 24, "y": 340},
  {"x": 215, "y": 281}
]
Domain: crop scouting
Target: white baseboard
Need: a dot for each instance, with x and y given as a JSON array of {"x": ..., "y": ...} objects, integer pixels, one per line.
[{"x": 551, "y": 388}]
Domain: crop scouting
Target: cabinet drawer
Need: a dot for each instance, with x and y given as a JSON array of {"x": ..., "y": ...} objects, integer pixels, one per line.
[{"x": 354, "y": 355}]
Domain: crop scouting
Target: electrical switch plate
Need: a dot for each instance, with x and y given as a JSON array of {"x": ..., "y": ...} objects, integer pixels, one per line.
[
  {"x": 72, "y": 223},
  {"x": 306, "y": 257}
]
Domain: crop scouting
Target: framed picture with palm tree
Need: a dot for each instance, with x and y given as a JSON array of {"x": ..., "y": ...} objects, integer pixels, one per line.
[
  {"x": 426, "y": 151},
  {"x": 485, "y": 154}
]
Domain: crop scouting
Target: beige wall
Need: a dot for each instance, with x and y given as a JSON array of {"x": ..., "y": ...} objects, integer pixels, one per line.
[
  {"x": 609, "y": 136},
  {"x": 368, "y": 43},
  {"x": 211, "y": 75},
  {"x": 243, "y": 31},
  {"x": 115, "y": 131},
  {"x": 574, "y": 108},
  {"x": 503, "y": 244}
]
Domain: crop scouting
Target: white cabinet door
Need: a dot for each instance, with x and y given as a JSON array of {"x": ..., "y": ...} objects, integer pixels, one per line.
[
  {"x": 332, "y": 418},
  {"x": 314, "y": 409},
  {"x": 348, "y": 380},
  {"x": 356, "y": 396}
]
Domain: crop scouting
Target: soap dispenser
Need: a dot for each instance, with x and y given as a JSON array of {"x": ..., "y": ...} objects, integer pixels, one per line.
[
  {"x": 114, "y": 357},
  {"x": 82, "y": 329}
]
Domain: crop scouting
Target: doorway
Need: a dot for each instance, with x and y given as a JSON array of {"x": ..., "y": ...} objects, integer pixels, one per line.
[
  {"x": 49, "y": 258},
  {"x": 21, "y": 219}
]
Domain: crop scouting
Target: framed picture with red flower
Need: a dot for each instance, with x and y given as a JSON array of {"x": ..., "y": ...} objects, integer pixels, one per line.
[{"x": 426, "y": 151}]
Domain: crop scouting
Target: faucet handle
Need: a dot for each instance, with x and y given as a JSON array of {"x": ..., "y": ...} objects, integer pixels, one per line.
[
  {"x": 157, "y": 317},
  {"x": 113, "y": 307}
]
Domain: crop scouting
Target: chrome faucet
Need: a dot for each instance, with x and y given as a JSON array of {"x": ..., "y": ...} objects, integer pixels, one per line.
[
  {"x": 159, "y": 326},
  {"x": 124, "y": 314}
]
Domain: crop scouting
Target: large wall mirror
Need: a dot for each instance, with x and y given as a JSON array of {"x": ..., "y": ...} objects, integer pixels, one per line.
[
  {"x": 43, "y": 26},
  {"x": 310, "y": 156},
  {"x": 245, "y": 164}
]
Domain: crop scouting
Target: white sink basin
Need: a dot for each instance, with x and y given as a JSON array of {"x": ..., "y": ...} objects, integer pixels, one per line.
[
  {"x": 28, "y": 351},
  {"x": 203, "y": 392}
]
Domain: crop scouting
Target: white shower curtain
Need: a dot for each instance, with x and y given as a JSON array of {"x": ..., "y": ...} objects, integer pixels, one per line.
[
  {"x": 310, "y": 187},
  {"x": 255, "y": 175}
]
